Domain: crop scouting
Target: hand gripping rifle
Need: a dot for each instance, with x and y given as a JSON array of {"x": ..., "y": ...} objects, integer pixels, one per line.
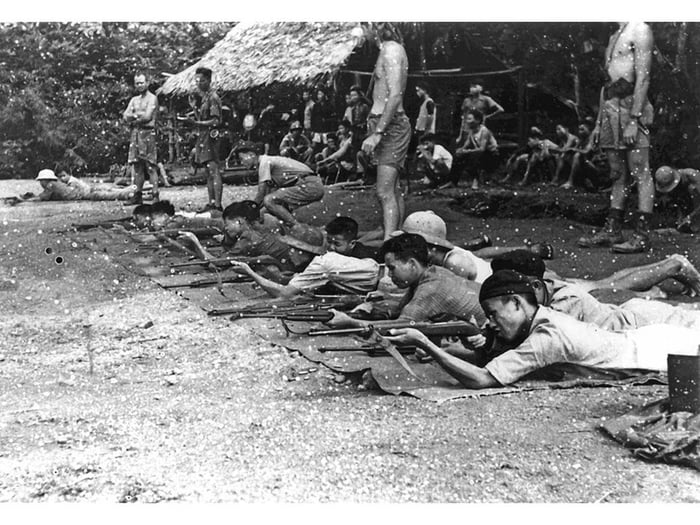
[{"x": 444, "y": 329}]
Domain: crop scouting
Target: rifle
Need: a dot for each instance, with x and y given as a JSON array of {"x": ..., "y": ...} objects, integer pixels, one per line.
[
  {"x": 224, "y": 261},
  {"x": 199, "y": 232},
  {"x": 444, "y": 329},
  {"x": 295, "y": 304},
  {"x": 318, "y": 314},
  {"x": 376, "y": 351},
  {"x": 209, "y": 281}
]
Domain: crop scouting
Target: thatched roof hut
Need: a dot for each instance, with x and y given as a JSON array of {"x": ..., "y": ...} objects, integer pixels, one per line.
[{"x": 255, "y": 54}]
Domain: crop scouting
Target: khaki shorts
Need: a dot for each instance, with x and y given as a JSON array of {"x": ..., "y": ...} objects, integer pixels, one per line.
[
  {"x": 615, "y": 117},
  {"x": 307, "y": 190},
  {"x": 392, "y": 149}
]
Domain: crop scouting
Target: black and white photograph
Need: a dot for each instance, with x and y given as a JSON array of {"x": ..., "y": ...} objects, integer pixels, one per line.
[{"x": 349, "y": 262}]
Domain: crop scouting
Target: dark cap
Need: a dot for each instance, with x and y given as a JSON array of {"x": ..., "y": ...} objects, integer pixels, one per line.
[
  {"x": 523, "y": 261},
  {"x": 505, "y": 282}
]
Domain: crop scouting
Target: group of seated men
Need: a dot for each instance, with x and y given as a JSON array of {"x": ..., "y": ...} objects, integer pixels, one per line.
[
  {"x": 530, "y": 317},
  {"x": 575, "y": 157}
]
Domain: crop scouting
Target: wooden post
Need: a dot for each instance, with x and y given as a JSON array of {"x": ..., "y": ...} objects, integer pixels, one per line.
[{"x": 522, "y": 117}]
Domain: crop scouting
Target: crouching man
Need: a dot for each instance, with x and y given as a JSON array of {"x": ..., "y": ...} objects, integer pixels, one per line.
[
  {"x": 284, "y": 184},
  {"x": 542, "y": 337}
]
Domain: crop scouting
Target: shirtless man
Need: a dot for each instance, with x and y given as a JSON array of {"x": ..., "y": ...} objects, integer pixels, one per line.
[
  {"x": 622, "y": 131},
  {"x": 388, "y": 127},
  {"x": 140, "y": 114}
]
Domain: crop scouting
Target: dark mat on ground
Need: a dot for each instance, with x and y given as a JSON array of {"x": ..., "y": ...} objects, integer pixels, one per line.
[
  {"x": 433, "y": 383},
  {"x": 545, "y": 202},
  {"x": 152, "y": 258},
  {"x": 654, "y": 433}
]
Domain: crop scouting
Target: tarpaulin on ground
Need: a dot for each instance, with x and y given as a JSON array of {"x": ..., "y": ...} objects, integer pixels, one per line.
[
  {"x": 433, "y": 383},
  {"x": 655, "y": 433},
  {"x": 153, "y": 257}
]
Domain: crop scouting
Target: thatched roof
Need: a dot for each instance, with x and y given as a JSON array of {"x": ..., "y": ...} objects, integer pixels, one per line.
[{"x": 256, "y": 54}]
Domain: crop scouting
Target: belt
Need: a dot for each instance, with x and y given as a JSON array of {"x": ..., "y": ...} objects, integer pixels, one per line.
[{"x": 377, "y": 115}]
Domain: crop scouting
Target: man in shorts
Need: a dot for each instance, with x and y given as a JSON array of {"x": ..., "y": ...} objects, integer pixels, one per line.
[
  {"x": 388, "y": 127},
  {"x": 622, "y": 132},
  {"x": 140, "y": 114},
  {"x": 206, "y": 105},
  {"x": 284, "y": 184}
]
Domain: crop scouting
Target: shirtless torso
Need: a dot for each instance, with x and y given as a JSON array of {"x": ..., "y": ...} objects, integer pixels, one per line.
[{"x": 390, "y": 76}]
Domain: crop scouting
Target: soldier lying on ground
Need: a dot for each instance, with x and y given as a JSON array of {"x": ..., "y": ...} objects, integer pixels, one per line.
[
  {"x": 162, "y": 216},
  {"x": 65, "y": 187},
  {"x": 541, "y": 336},
  {"x": 246, "y": 235},
  {"x": 573, "y": 300},
  {"x": 433, "y": 293},
  {"x": 341, "y": 234},
  {"x": 320, "y": 268}
]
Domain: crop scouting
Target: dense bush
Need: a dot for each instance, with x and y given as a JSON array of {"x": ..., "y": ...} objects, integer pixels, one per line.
[{"x": 63, "y": 87}]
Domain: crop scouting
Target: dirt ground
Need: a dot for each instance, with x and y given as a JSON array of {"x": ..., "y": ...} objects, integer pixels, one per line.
[{"x": 115, "y": 390}]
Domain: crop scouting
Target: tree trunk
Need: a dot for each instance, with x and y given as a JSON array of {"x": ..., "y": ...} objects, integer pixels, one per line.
[
  {"x": 421, "y": 46},
  {"x": 577, "y": 86},
  {"x": 681, "y": 63}
]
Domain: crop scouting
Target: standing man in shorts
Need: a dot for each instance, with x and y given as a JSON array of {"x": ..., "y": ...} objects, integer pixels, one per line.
[
  {"x": 284, "y": 184},
  {"x": 207, "y": 117},
  {"x": 388, "y": 127},
  {"x": 140, "y": 114},
  {"x": 622, "y": 132}
]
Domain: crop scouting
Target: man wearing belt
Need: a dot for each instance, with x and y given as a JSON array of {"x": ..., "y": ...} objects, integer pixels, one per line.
[
  {"x": 284, "y": 184},
  {"x": 206, "y": 105},
  {"x": 388, "y": 127},
  {"x": 140, "y": 113},
  {"x": 622, "y": 131}
]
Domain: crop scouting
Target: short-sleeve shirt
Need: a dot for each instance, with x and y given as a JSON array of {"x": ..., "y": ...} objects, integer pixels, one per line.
[
  {"x": 556, "y": 337},
  {"x": 482, "y": 268},
  {"x": 573, "y": 300},
  {"x": 440, "y": 153},
  {"x": 440, "y": 293},
  {"x": 347, "y": 273},
  {"x": 483, "y": 103},
  {"x": 281, "y": 171},
  {"x": 210, "y": 107}
]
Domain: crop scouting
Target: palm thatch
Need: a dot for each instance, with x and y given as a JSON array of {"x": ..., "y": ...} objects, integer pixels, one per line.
[{"x": 257, "y": 54}]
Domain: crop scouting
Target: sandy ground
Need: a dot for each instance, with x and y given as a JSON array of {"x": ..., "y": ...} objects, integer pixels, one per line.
[{"x": 115, "y": 390}]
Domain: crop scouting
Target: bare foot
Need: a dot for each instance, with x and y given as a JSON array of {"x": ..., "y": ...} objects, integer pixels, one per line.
[
  {"x": 567, "y": 186},
  {"x": 687, "y": 274}
]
